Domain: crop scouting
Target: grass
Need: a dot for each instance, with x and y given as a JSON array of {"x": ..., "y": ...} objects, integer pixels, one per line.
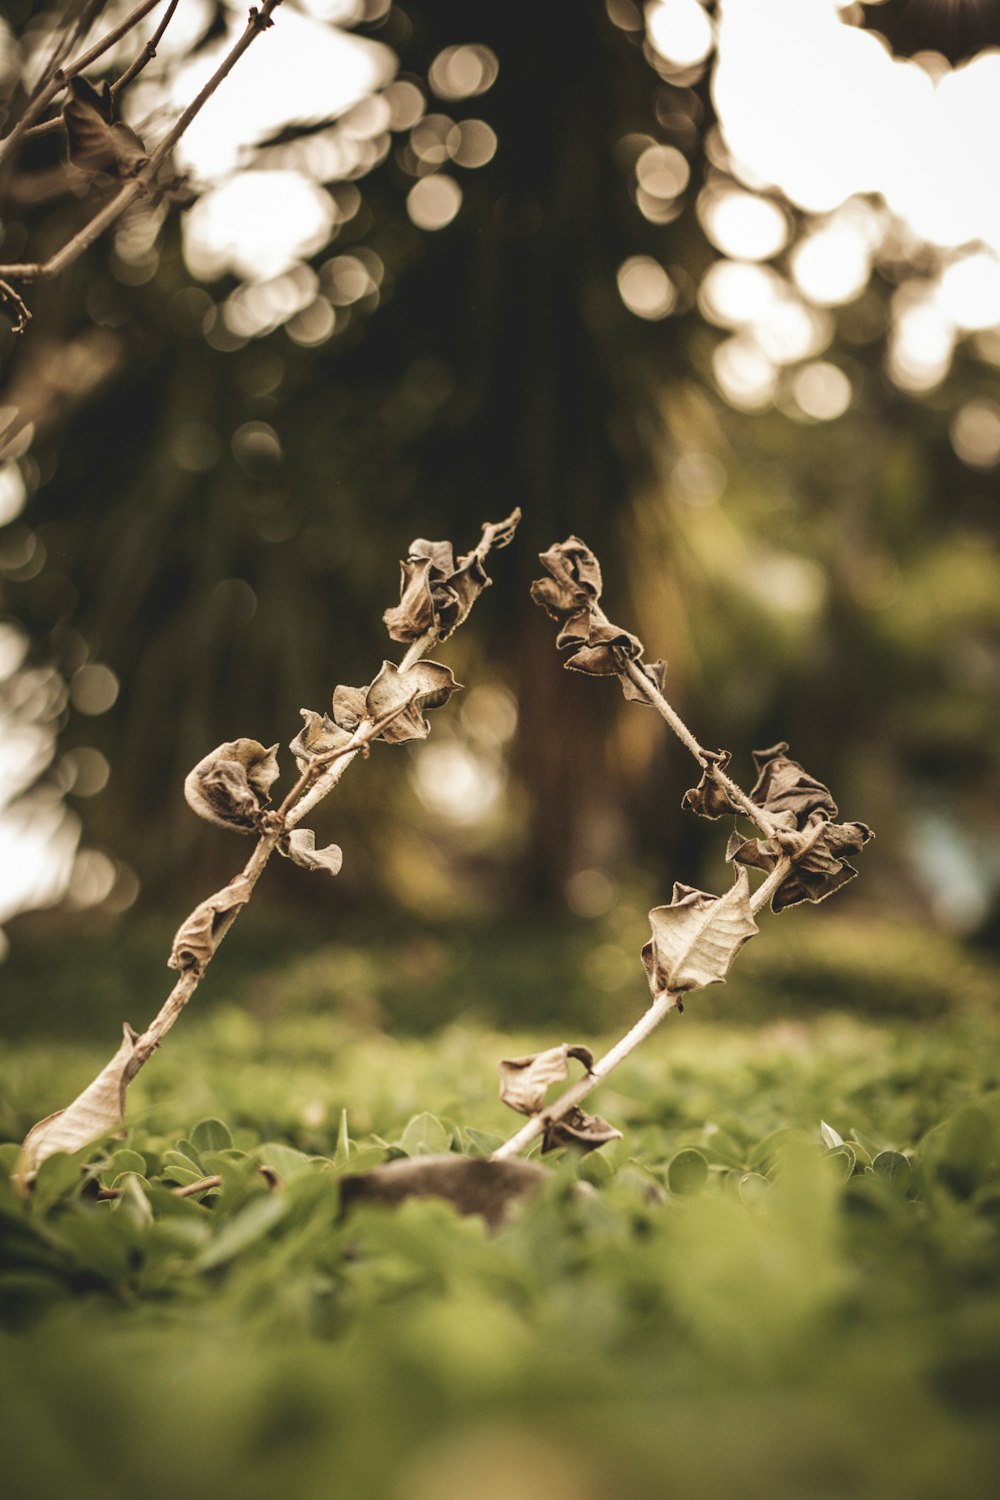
[{"x": 728, "y": 1300}]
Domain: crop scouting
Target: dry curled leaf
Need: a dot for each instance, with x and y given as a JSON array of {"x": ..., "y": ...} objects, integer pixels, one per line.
[
  {"x": 708, "y": 798},
  {"x": 697, "y": 936},
  {"x": 575, "y": 584},
  {"x": 820, "y": 860},
  {"x": 300, "y": 846},
  {"x": 577, "y": 1128},
  {"x": 98, "y": 142},
  {"x": 200, "y": 934},
  {"x": 473, "y": 1186},
  {"x": 655, "y": 671},
  {"x": 604, "y": 649},
  {"x": 407, "y": 696},
  {"x": 783, "y": 786},
  {"x": 571, "y": 595},
  {"x": 319, "y": 736},
  {"x": 436, "y": 593},
  {"x": 524, "y": 1080},
  {"x": 231, "y": 785},
  {"x": 95, "y": 1112}
]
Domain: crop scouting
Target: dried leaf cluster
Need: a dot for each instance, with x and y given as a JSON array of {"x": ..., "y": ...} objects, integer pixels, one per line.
[
  {"x": 696, "y": 936},
  {"x": 231, "y": 788}
]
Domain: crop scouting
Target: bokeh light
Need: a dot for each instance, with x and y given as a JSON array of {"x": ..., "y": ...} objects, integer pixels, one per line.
[
  {"x": 645, "y": 288},
  {"x": 434, "y": 201},
  {"x": 975, "y": 434}
]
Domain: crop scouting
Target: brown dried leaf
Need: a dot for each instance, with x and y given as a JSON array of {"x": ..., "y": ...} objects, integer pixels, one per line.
[
  {"x": 319, "y": 735},
  {"x": 95, "y": 1112},
  {"x": 230, "y": 786},
  {"x": 300, "y": 846},
  {"x": 436, "y": 594},
  {"x": 606, "y": 647},
  {"x": 97, "y": 142},
  {"x": 473, "y": 1186},
  {"x": 820, "y": 866},
  {"x": 708, "y": 798},
  {"x": 408, "y": 695},
  {"x": 575, "y": 583},
  {"x": 413, "y": 616},
  {"x": 656, "y": 671},
  {"x": 783, "y": 786},
  {"x": 524, "y": 1080},
  {"x": 697, "y": 936},
  {"x": 576, "y": 1128},
  {"x": 200, "y": 934},
  {"x": 349, "y": 707}
]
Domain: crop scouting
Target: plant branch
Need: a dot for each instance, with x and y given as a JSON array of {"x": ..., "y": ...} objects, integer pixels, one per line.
[
  {"x": 61, "y": 76},
  {"x": 647, "y": 1023},
  {"x": 259, "y": 21},
  {"x": 759, "y": 815}
]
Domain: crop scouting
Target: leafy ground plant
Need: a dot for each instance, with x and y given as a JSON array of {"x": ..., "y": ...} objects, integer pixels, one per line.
[{"x": 231, "y": 787}]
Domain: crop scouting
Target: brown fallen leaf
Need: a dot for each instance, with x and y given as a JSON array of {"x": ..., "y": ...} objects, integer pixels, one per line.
[
  {"x": 577, "y": 1128},
  {"x": 300, "y": 846},
  {"x": 472, "y": 1185},
  {"x": 820, "y": 867}
]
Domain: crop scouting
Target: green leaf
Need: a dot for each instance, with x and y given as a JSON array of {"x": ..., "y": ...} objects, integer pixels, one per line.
[
  {"x": 425, "y": 1136},
  {"x": 688, "y": 1172},
  {"x": 211, "y": 1135},
  {"x": 831, "y": 1137},
  {"x": 284, "y": 1160},
  {"x": 892, "y": 1165},
  {"x": 245, "y": 1228}
]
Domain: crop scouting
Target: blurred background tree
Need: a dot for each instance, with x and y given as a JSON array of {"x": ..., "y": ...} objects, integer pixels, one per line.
[{"x": 715, "y": 286}]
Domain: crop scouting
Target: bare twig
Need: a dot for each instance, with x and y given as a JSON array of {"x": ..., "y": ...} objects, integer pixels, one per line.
[
  {"x": 61, "y": 77},
  {"x": 49, "y": 127},
  {"x": 33, "y": 271}
]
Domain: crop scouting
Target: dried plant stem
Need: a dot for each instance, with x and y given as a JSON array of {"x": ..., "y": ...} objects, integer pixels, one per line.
[
  {"x": 647, "y": 1023},
  {"x": 49, "y": 127},
  {"x": 259, "y": 21},
  {"x": 314, "y": 784},
  {"x": 61, "y": 76},
  {"x": 759, "y": 815}
]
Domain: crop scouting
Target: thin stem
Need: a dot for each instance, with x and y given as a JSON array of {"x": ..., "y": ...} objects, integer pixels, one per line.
[
  {"x": 663, "y": 1004},
  {"x": 259, "y": 21},
  {"x": 735, "y": 793},
  {"x": 58, "y": 81},
  {"x": 49, "y": 127}
]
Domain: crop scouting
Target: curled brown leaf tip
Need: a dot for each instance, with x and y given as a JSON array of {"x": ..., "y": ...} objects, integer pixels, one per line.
[
  {"x": 524, "y": 1080},
  {"x": 436, "y": 593},
  {"x": 696, "y": 937},
  {"x": 571, "y": 595},
  {"x": 577, "y": 1128},
  {"x": 820, "y": 866},
  {"x": 319, "y": 736},
  {"x": 784, "y": 786},
  {"x": 300, "y": 846},
  {"x": 97, "y": 142},
  {"x": 575, "y": 584},
  {"x": 708, "y": 798},
  {"x": 230, "y": 786},
  {"x": 200, "y": 934},
  {"x": 403, "y": 697}
]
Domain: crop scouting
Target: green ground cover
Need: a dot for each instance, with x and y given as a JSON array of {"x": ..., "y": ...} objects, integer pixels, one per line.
[{"x": 727, "y": 1300}]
